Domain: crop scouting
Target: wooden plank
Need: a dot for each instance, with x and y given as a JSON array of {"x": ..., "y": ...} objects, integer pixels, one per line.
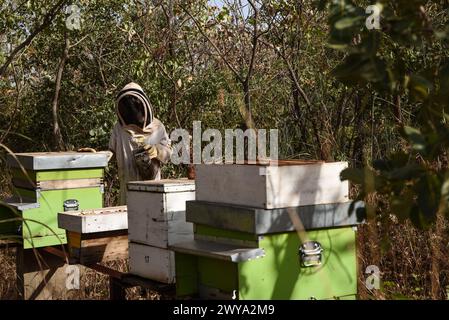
[
  {"x": 163, "y": 186},
  {"x": 100, "y": 247},
  {"x": 272, "y": 187},
  {"x": 219, "y": 251},
  {"x": 57, "y": 184},
  {"x": 94, "y": 220},
  {"x": 116, "y": 289}
]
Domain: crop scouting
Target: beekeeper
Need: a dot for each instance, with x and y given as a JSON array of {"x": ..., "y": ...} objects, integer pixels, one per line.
[{"x": 138, "y": 140}]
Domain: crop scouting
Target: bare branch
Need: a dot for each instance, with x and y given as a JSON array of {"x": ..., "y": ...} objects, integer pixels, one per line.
[
  {"x": 46, "y": 22},
  {"x": 59, "y": 143},
  {"x": 230, "y": 66}
]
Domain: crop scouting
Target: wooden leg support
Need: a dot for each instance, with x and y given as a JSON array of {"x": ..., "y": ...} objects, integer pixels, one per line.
[{"x": 116, "y": 289}]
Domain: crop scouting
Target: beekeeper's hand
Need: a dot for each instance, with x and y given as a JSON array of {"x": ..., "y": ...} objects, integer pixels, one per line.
[
  {"x": 142, "y": 148},
  {"x": 150, "y": 150}
]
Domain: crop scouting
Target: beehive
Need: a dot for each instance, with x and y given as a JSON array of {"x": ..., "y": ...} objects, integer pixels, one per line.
[
  {"x": 156, "y": 219},
  {"x": 275, "y": 185},
  {"x": 42, "y": 182},
  {"x": 96, "y": 235},
  {"x": 270, "y": 233}
]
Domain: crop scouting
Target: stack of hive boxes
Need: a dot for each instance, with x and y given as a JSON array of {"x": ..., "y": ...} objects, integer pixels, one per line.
[
  {"x": 42, "y": 182},
  {"x": 270, "y": 231},
  {"x": 156, "y": 219}
]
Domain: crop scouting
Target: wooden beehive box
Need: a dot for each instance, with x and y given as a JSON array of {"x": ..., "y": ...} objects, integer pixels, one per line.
[
  {"x": 96, "y": 235},
  {"x": 280, "y": 184},
  {"x": 156, "y": 211},
  {"x": 156, "y": 219},
  {"x": 152, "y": 262},
  {"x": 42, "y": 182}
]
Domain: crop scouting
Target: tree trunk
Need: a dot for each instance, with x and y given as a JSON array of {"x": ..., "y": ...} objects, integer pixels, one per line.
[{"x": 57, "y": 136}]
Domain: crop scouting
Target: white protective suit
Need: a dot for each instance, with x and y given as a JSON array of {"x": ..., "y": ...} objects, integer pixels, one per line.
[{"x": 121, "y": 142}]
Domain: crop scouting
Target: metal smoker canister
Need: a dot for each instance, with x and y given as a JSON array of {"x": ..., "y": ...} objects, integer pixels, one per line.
[{"x": 71, "y": 205}]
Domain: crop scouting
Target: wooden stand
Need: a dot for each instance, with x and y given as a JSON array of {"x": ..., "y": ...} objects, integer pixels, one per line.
[{"x": 42, "y": 281}]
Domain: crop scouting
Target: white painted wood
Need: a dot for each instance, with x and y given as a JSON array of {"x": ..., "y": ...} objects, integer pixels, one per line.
[
  {"x": 158, "y": 218},
  {"x": 272, "y": 187},
  {"x": 232, "y": 184},
  {"x": 58, "y": 160},
  {"x": 176, "y": 202},
  {"x": 163, "y": 186},
  {"x": 152, "y": 263},
  {"x": 320, "y": 183},
  {"x": 94, "y": 220}
]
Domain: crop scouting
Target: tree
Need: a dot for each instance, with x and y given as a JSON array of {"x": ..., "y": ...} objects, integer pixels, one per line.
[{"x": 405, "y": 59}]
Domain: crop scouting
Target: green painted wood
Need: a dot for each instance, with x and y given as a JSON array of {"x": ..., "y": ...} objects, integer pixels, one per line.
[
  {"x": 51, "y": 202},
  {"x": 31, "y": 195},
  {"x": 186, "y": 275},
  {"x": 46, "y": 241},
  {"x": 218, "y": 274},
  {"x": 223, "y": 233},
  {"x": 279, "y": 275},
  {"x": 47, "y": 175},
  {"x": 46, "y": 232}
]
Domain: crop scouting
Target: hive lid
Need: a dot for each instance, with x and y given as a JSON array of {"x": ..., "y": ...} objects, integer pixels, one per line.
[
  {"x": 163, "y": 186},
  {"x": 58, "y": 160},
  {"x": 271, "y": 162}
]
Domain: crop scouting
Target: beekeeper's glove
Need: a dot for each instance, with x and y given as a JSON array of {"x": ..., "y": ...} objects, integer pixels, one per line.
[
  {"x": 149, "y": 150},
  {"x": 142, "y": 150}
]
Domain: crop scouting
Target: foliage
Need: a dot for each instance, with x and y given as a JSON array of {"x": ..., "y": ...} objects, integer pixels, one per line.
[{"x": 405, "y": 60}]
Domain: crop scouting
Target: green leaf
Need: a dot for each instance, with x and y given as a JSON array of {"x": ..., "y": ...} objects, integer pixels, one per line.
[
  {"x": 401, "y": 205},
  {"x": 407, "y": 172},
  {"x": 348, "y": 22},
  {"x": 354, "y": 175},
  {"x": 419, "y": 87},
  {"x": 415, "y": 138}
]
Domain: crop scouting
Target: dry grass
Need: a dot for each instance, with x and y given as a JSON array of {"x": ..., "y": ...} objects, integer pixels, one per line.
[
  {"x": 93, "y": 285},
  {"x": 8, "y": 274},
  {"x": 405, "y": 257}
]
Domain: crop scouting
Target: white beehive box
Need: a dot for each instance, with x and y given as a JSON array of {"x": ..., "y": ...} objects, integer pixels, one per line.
[
  {"x": 156, "y": 211},
  {"x": 94, "y": 220},
  {"x": 287, "y": 184},
  {"x": 152, "y": 263}
]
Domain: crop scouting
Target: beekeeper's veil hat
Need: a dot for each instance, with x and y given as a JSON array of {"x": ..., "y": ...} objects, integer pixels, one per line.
[{"x": 133, "y": 89}]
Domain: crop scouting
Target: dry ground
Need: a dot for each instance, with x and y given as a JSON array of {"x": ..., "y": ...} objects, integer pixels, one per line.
[{"x": 405, "y": 263}]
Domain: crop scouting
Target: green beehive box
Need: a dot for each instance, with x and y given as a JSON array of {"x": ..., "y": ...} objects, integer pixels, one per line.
[
  {"x": 250, "y": 253},
  {"x": 42, "y": 182}
]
